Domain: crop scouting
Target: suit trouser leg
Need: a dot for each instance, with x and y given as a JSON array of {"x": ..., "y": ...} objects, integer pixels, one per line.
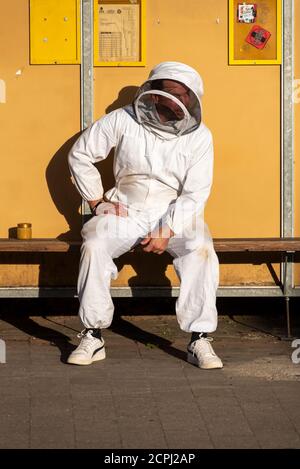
[
  {"x": 104, "y": 237},
  {"x": 197, "y": 267}
]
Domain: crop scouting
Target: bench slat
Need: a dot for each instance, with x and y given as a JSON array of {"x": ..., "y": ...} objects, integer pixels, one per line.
[
  {"x": 257, "y": 244},
  {"x": 220, "y": 244},
  {"x": 37, "y": 245}
]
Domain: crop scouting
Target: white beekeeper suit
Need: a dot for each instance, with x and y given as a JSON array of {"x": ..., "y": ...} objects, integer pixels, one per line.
[{"x": 163, "y": 174}]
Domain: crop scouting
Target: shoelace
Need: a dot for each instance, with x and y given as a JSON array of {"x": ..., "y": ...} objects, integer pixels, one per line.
[
  {"x": 203, "y": 346},
  {"x": 86, "y": 343},
  {"x": 83, "y": 333}
]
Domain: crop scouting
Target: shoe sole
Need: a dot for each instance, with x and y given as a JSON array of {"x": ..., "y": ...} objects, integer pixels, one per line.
[
  {"x": 97, "y": 357},
  {"x": 194, "y": 361}
]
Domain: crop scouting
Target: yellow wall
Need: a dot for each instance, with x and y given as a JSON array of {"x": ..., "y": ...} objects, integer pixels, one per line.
[{"x": 41, "y": 113}]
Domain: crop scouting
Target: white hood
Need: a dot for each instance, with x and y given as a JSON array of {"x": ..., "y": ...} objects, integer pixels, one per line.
[{"x": 145, "y": 109}]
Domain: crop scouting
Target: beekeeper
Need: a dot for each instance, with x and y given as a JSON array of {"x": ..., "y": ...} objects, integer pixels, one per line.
[{"x": 163, "y": 168}]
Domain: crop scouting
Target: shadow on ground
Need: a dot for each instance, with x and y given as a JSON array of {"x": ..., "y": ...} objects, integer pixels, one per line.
[{"x": 266, "y": 315}]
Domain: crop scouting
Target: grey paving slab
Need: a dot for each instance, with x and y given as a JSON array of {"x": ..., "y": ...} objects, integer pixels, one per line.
[
  {"x": 89, "y": 385},
  {"x": 18, "y": 358},
  {"x": 271, "y": 425},
  {"x": 138, "y": 424},
  {"x": 218, "y": 391},
  {"x": 224, "y": 417},
  {"x": 15, "y": 432},
  {"x": 14, "y": 421},
  {"x": 12, "y": 406},
  {"x": 255, "y": 394},
  {"x": 41, "y": 385},
  {"x": 88, "y": 423},
  {"x": 143, "y": 439},
  {"x": 14, "y": 387},
  {"x": 52, "y": 435},
  {"x": 127, "y": 406},
  {"x": 275, "y": 439},
  {"x": 288, "y": 398},
  {"x": 235, "y": 442},
  {"x": 43, "y": 407},
  {"x": 189, "y": 439},
  {"x": 185, "y": 421},
  {"x": 100, "y": 438},
  {"x": 170, "y": 397}
]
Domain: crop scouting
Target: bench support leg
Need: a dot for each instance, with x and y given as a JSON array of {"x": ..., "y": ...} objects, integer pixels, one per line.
[
  {"x": 288, "y": 258},
  {"x": 287, "y": 310}
]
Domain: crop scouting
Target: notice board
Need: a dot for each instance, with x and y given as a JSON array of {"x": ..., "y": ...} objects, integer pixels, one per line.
[
  {"x": 119, "y": 32},
  {"x": 255, "y": 32}
]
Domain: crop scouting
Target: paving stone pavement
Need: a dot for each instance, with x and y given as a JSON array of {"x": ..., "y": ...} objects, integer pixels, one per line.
[{"x": 145, "y": 394}]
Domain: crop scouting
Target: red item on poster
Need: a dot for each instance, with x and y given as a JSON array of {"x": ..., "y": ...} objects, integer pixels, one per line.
[{"x": 258, "y": 37}]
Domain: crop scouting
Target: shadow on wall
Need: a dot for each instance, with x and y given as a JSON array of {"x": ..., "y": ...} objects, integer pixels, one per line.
[
  {"x": 63, "y": 191},
  {"x": 126, "y": 96}
]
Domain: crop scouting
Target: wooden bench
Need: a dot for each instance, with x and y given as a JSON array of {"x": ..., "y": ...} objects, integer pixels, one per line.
[{"x": 287, "y": 248}]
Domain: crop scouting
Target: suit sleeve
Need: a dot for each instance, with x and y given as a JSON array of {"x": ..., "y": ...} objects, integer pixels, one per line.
[{"x": 92, "y": 146}]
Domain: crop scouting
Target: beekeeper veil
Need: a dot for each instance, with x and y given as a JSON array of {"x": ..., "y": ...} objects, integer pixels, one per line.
[{"x": 180, "y": 119}]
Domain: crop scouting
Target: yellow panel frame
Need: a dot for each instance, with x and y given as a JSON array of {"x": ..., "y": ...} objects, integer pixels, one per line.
[
  {"x": 36, "y": 53},
  {"x": 232, "y": 18},
  {"x": 142, "y": 61}
]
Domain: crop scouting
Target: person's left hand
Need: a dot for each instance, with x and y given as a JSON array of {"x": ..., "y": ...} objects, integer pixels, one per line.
[{"x": 157, "y": 241}]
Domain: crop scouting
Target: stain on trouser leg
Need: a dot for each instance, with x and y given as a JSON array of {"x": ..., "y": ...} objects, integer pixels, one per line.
[{"x": 198, "y": 271}]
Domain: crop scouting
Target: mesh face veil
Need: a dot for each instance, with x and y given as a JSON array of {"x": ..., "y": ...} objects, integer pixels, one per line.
[
  {"x": 166, "y": 110},
  {"x": 145, "y": 107}
]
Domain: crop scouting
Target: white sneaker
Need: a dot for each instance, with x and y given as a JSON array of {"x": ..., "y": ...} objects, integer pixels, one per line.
[
  {"x": 90, "y": 349},
  {"x": 201, "y": 353}
]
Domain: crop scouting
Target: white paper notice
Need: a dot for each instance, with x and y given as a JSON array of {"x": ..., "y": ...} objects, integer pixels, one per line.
[
  {"x": 119, "y": 33},
  {"x": 247, "y": 13}
]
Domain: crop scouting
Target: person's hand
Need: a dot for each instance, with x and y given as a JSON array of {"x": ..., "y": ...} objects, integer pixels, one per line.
[
  {"x": 157, "y": 241},
  {"x": 117, "y": 209},
  {"x": 112, "y": 208},
  {"x": 94, "y": 204}
]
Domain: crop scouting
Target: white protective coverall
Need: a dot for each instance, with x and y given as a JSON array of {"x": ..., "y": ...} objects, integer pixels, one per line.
[{"x": 163, "y": 174}]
